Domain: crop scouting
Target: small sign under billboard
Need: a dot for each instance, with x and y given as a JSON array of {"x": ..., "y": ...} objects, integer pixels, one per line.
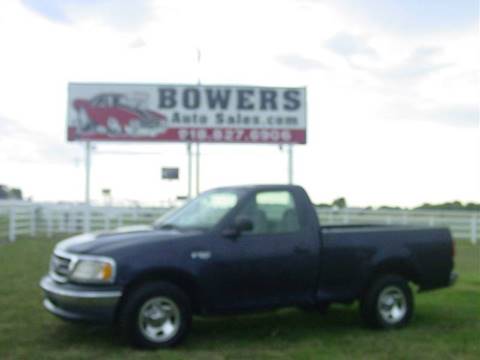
[
  {"x": 186, "y": 113},
  {"x": 170, "y": 173}
]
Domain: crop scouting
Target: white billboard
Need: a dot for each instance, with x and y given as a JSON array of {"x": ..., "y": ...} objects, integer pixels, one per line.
[{"x": 186, "y": 113}]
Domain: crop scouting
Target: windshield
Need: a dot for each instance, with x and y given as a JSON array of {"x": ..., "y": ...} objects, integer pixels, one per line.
[
  {"x": 203, "y": 213},
  {"x": 130, "y": 102}
]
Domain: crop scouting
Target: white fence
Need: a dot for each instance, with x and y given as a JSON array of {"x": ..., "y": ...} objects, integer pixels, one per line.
[
  {"x": 464, "y": 225},
  {"x": 34, "y": 219},
  {"x": 30, "y": 219}
]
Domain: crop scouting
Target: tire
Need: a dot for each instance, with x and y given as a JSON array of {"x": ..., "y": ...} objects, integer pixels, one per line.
[
  {"x": 388, "y": 303},
  {"x": 156, "y": 315}
]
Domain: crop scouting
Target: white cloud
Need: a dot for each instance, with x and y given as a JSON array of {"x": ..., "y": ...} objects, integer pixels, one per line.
[
  {"x": 124, "y": 15},
  {"x": 383, "y": 108},
  {"x": 349, "y": 45},
  {"x": 301, "y": 63}
]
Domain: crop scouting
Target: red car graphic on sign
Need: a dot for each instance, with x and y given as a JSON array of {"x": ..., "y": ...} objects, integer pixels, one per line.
[{"x": 116, "y": 114}]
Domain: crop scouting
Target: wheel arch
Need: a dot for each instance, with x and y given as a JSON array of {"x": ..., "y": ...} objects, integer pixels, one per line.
[
  {"x": 179, "y": 278},
  {"x": 395, "y": 266}
]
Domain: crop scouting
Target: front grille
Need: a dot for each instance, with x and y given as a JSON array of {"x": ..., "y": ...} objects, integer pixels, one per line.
[{"x": 59, "y": 267}]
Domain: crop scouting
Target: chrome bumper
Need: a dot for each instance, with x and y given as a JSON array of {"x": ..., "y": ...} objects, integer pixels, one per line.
[{"x": 79, "y": 303}]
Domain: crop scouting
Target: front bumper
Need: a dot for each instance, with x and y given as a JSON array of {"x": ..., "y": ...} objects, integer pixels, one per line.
[{"x": 80, "y": 303}]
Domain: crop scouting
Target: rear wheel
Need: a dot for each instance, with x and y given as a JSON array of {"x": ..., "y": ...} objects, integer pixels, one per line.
[
  {"x": 388, "y": 303},
  {"x": 156, "y": 315}
]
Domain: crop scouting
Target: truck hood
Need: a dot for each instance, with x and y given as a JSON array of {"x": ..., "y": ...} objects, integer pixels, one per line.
[{"x": 104, "y": 242}]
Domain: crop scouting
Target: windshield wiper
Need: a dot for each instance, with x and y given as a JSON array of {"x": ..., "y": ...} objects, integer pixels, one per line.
[{"x": 168, "y": 227}]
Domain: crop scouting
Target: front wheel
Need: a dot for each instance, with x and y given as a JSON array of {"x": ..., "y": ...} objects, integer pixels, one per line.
[
  {"x": 156, "y": 315},
  {"x": 388, "y": 303}
]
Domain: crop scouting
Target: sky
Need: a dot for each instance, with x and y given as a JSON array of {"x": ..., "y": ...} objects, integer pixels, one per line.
[{"x": 393, "y": 90}]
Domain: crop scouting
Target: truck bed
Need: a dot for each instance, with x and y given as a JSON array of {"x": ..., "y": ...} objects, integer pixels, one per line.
[{"x": 351, "y": 254}]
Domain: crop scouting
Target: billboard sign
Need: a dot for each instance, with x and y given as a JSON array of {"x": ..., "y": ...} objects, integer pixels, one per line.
[{"x": 186, "y": 113}]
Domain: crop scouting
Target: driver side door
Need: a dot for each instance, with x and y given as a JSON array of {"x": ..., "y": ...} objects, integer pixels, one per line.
[{"x": 273, "y": 264}]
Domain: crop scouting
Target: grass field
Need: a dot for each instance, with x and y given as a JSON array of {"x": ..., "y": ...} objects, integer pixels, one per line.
[{"x": 446, "y": 324}]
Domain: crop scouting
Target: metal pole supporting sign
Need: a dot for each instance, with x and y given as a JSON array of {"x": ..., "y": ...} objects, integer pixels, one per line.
[
  {"x": 86, "y": 214},
  {"x": 197, "y": 155},
  {"x": 87, "y": 172},
  {"x": 189, "y": 152},
  {"x": 197, "y": 170},
  {"x": 290, "y": 163}
]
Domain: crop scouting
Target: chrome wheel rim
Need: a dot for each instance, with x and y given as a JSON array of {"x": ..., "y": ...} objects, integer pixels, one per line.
[
  {"x": 159, "y": 319},
  {"x": 392, "y": 304}
]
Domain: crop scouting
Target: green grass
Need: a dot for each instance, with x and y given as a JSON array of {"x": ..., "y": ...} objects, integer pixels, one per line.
[{"x": 446, "y": 324}]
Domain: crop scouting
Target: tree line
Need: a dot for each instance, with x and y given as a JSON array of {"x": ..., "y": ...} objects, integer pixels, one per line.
[
  {"x": 10, "y": 193},
  {"x": 341, "y": 203}
]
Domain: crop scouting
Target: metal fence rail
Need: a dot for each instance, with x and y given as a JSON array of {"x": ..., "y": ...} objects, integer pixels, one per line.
[{"x": 37, "y": 219}]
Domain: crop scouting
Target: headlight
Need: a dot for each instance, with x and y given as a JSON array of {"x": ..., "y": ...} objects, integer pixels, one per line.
[{"x": 93, "y": 270}]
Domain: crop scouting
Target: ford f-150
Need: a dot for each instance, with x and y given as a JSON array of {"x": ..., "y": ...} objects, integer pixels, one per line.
[{"x": 242, "y": 248}]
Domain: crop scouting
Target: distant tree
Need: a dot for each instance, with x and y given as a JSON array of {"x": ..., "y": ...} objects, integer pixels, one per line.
[
  {"x": 472, "y": 206},
  {"x": 15, "y": 193},
  {"x": 454, "y": 205},
  {"x": 3, "y": 192},
  {"x": 387, "y": 207},
  {"x": 323, "y": 205},
  {"x": 10, "y": 193},
  {"x": 340, "y": 203}
]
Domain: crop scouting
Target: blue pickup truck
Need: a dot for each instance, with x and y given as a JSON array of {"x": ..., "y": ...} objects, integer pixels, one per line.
[{"x": 238, "y": 249}]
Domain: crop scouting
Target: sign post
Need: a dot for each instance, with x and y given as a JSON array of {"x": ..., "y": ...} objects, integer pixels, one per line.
[
  {"x": 170, "y": 174},
  {"x": 189, "y": 154},
  {"x": 86, "y": 215},
  {"x": 197, "y": 170},
  {"x": 199, "y": 82},
  {"x": 87, "y": 172},
  {"x": 290, "y": 164}
]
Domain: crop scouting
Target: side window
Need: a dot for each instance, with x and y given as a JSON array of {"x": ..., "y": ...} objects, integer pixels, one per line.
[{"x": 272, "y": 212}]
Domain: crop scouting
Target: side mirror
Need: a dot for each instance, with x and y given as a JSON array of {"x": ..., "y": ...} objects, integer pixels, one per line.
[
  {"x": 243, "y": 223},
  {"x": 240, "y": 224}
]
